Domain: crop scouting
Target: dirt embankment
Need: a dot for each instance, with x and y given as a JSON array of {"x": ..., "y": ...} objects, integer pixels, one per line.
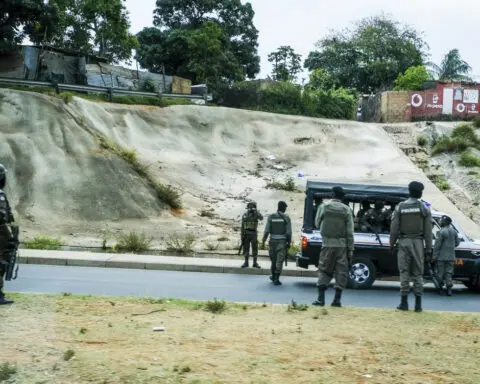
[{"x": 63, "y": 183}]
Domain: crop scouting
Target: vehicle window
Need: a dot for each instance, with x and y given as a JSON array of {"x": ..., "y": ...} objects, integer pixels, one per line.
[{"x": 435, "y": 229}]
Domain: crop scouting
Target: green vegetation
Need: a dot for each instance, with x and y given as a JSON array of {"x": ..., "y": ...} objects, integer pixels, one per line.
[
  {"x": 293, "y": 306},
  {"x": 413, "y": 79},
  {"x": 440, "y": 182},
  {"x": 215, "y": 306},
  {"x": 180, "y": 244},
  {"x": 68, "y": 354},
  {"x": 293, "y": 250},
  {"x": 468, "y": 159},
  {"x": 210, "y": 213},
  {"x": 132, "y": 242},
  {"x": 44, "y": 242},
  {"x": 7, "y": 371},
  {"x": 462, "y": 138},
  {"x": 289, "y": 185},
  {"x": 422, "y": 141},
  {"x": 164, "y": 193}
]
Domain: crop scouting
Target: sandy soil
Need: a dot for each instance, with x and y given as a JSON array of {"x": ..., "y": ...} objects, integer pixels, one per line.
[
  {"x": 64, "y": 186},
  {"x": 112, "y": 341}
]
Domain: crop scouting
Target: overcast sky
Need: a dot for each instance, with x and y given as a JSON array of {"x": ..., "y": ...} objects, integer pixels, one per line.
[{"x": 301, "y": 23}]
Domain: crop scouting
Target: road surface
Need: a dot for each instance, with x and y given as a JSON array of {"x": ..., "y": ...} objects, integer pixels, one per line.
[{"x": 230, "y": 287}]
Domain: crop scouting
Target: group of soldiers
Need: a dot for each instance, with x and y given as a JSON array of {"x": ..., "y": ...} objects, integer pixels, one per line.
[{"x": 410, "y": 226}]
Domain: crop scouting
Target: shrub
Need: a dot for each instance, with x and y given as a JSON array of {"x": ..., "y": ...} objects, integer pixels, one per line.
[
  {"x": 133, "y": 242},
  {"x": 7, "y": 371},
  {"x": 215, "y": 306},
  {"x": 180, "y": 244},
  {"x": 43, "y": 242},
  {"x": 466, "y": 133},
  {"x": 476, "y": 122},
  {"x": 422, "y": 141},
  {"x": 447, "y": 144},
  {"x": 289, "y": 185},
  {"x": 468, "y": 159}
]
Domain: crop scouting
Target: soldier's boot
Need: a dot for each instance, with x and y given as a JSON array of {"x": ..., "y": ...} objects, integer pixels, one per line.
[
  {"x": 321, "y": 296},
  {"x": 336, "y": 300},
  {"x": 449, "y": 291},
  {"x": 418, "y": 303},
  {"x": 245, "y": 264},
  {"x": 276, "y": 280},
  {"x": 3, "y": 300},
  {"x": 255, "y": 264},
  {"x": 272, "y": 268},
  {"x": 403, "y": 303}
]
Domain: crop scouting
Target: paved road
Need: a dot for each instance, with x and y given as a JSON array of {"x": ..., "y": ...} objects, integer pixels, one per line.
[{"x": 206, "y": 286}]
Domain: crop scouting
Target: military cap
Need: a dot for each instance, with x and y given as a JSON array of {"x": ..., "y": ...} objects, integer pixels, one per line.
[
  {"x": 446, "y": 219},
  {"x": 416, "y": 186},
  {"x": 282, "y": 204}
]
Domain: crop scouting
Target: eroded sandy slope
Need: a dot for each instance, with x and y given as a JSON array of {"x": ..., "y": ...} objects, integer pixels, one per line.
[{"x": 218, "y": 157}]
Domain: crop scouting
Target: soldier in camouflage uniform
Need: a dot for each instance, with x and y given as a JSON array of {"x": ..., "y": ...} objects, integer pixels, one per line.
[
  {"x": 335, "y": 221},
  {"x": 6, "y": 218},
  {"x": 279, "y": 227},
  {"x": 412, "y": 228},
  {"x": 376, "y": 217},
  {"x": 249, "y": 233},
  {"x": 444, "y": 253}
]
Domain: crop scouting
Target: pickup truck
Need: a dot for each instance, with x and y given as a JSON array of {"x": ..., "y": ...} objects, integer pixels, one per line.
[{"x": 372, "y": 258}]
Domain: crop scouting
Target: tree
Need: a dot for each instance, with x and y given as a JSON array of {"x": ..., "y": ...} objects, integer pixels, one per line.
[
  {"x": 413, "y": 79},
  {"x": 321, "y": 79},
  {"x": 370, "y": 56},
  {"x": 452, "y": 68},
  {"x": 286, "y": 63},
  {"x": 89, "y": 26},
  {"x": 175, "y": 43},
  {"x": 21, "y": 18}
]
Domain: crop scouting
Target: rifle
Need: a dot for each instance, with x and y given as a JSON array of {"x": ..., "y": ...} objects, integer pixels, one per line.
[
  {"x": 369, "y": 226},
  {"x": 12, "y": 251},
  {"x": 242, "y": 241}
]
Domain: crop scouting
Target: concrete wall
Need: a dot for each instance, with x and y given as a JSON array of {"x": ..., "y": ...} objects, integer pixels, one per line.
[{"x": 395, "y": 106}]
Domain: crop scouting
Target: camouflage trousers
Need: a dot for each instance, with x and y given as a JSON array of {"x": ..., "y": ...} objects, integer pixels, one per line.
[
  {"x": 250, "y": 238},
  {"x": 333, "y": 262},
  {"x": 444, "y": 273},
  {"x": 3, "y": 256},
  {"x": 277, "y": 250},
  {"x": 411, "y": 265}
]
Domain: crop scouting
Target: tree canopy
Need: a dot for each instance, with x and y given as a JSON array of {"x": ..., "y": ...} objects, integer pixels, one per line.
[
  {"x": 452, "y": 68},
  {"x": 413, "y": 79},
  {"x": 286, "y": 63},
  {"x": 88, "y": 26},
  {"x": 204, "y": 40},
  {"x": 370, "y": 56}
]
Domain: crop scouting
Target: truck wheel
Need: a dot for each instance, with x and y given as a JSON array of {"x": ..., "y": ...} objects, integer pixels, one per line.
[
  {"x": 473, "y": 284},
  {"x": 362, "y": 274}
]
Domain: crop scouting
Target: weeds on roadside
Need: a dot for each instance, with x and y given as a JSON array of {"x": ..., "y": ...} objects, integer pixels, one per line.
[
  {"x": 296, "y": 307},
  {"x": 215, "y": 306},
  {"x": 180, "y": 244},
  {"x": 468, "y": 159},
  {"x": 133, "y": 242},
  {"x": 44, "y": 242},
  {"x": 68, "y": 354},
  {"x": 207, "y": 213},
  {"x": 422, "y": 141}
]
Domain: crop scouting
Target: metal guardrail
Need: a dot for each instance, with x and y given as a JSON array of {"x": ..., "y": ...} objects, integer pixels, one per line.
[{"x": 106, "y": 90}]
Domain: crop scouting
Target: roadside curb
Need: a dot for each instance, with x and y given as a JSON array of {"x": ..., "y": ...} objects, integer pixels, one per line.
[{"x": 159, "y": 263}]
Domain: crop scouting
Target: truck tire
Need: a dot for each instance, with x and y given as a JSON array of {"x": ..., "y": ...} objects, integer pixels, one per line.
[
  {"x": 473, "y": 284},
  {"x": 362, "y": 274}
]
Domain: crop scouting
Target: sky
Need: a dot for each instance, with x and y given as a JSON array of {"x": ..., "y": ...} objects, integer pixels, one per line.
[{"x": 302, "y": 23}]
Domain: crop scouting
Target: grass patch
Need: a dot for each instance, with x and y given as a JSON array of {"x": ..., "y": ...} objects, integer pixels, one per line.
[
  {"x": 195, "y": 341},
  {"x": 288, "y": 185},
  {"x": 44, "y": 242},
  {"x": 422, "y": 141},
  {"x": 68, "y": 354},
  {"x": 211, "y": 247},
  {"x": 468, "y": 159},
  {"x": 293, "y": 306},
  {"x": 165, "y": 193},
  {"x": 207, "y": 213},
  {"x": 476, "y": 122},
  {"x": 466, "y": 132},
  {"x": 216, "y": 306},
  {"x": 223, "y": 238},
  {"x": 302, "y": 140},
  {"x": 449, "y": 145},
  {"x": 132, "y": 242},
  {"x": 7, "y": 371},
  {"x": 180, "y": 244}
]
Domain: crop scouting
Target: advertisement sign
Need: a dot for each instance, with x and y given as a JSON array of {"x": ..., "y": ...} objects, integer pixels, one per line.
[{"x": 470, "y": 96}]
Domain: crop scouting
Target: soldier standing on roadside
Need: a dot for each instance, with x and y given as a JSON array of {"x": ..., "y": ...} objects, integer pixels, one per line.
[
  {"x": 6, "y": 218},
  {"x": 249, "y": 233},
  {"x": 279, "y": 227},
  {"x": 444, "y": 253},
  {"x": 412, "y": 227},
  {"x": 335, "y": 221}
]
